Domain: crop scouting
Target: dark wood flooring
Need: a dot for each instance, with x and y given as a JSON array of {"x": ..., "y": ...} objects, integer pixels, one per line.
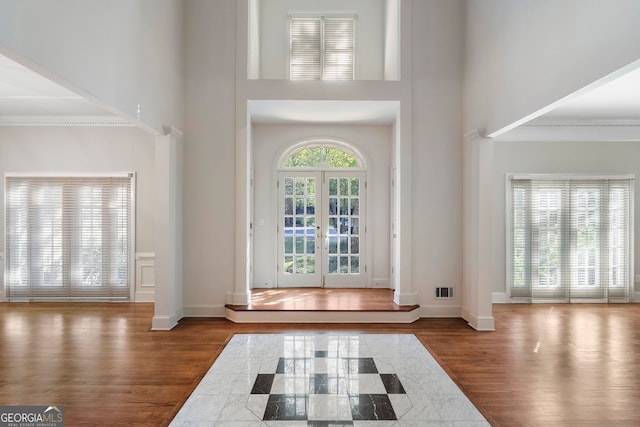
[{"x": 545, "y": 365}]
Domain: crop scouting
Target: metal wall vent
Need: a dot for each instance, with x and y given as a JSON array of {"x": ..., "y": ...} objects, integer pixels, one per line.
[{"x": 444, "y": 292}]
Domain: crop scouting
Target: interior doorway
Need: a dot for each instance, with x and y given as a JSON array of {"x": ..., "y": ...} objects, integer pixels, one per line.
[{"x": 321, "y": 218}]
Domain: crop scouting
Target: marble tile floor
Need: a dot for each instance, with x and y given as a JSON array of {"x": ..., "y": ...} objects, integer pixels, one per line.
[{"x": 327, "y": 379}]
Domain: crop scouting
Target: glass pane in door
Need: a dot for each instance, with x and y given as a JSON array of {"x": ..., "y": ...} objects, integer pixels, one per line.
[
  {"x": 343, "y": 234},
  {"x": 299, "y": 225}
]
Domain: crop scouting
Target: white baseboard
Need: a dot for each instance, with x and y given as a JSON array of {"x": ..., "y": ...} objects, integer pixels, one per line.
[
  {"x": 479, "y": 323},
  {"x": 165, "y": 323},
  {"x": 238, "y": 298},
  {"x": 205, "y": 311},
  {"x": 440, "y": 311},
  {"x": 380, "y": 283},
  {"x": 144, "y": 296},
  {"x": 405, "y": 299},
  {"x": 328, "y": 317},
  {"x": 499, "y": 298},
  {"x": 267, "y": 284}
]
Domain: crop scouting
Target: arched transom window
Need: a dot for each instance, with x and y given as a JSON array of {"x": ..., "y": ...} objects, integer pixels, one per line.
[{"x": 321, "y": 155}]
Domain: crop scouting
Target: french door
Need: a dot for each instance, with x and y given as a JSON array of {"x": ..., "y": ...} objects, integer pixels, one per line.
[{"x": 321, "y": 229}]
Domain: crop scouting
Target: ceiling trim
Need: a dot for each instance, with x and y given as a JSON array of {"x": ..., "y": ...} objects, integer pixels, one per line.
[
  {"x": 580, "y": 123},
  {"x": 73, "y": 121}
]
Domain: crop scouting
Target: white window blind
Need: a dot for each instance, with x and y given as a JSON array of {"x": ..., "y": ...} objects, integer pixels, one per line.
[
  {"x": 68, "y": 237},
  {"x": 570, "y": 239},
  {"x": 322, "y": 48}
]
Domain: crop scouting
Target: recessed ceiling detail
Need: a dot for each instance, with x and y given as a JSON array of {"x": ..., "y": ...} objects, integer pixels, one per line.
[{"x": 325, "y": 112}]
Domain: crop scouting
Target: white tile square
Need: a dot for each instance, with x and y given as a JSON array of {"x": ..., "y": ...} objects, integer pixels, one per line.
[
  {"x": 365, "y": 384},
  {"x": 290, "y": 384},
  {"x": 329, "y": 407}
]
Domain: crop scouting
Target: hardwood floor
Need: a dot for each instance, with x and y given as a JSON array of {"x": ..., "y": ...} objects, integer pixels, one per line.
[
  {"x": 545, "y": 365},
  {"x": 322, "y": 299}
]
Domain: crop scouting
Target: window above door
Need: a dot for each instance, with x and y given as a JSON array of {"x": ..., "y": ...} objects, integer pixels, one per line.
[
  {"x": 322, "y": 47},
  {"x": 374, "y": 53},
  {"x": 321, "y": 155}
]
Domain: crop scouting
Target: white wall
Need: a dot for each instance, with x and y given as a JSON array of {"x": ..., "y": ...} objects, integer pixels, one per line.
[
  {"x": 437, "y": 149},
  {"x": 209, "y": 155},
  {"x": 524, "y": 55},
  {"x": 269, "y": 141},
  {"x": 558, "y": 158},
  {"x": 125, "y": 53},
  {"x": 274, "y": 34},
  {"x": 86, "y": 149}
]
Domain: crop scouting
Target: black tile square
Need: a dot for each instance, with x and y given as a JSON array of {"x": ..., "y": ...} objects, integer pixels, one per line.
[
  {"x": 371, "y": 407},
  {"x": 321, "y": 353},
  {"x": 392, "y": 384},
  {"x": 286, "y": 407},
  {"x": 293, "y": 366},
  {"x": 360, "y": 365},
  {"x": 263, "y": 383}
]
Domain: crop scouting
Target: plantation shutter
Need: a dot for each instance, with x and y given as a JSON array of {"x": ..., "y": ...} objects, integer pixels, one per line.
[
  {"x": 68, "y": 237},
  {"x": 339, "y": 48},
  {"x": 306, "y": 63},
  {"x": 570, "y": 239},
  {"x": 322, "y": 48}
]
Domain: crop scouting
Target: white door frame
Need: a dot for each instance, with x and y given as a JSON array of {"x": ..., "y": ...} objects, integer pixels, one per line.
[{"x": 312, "y": 224}]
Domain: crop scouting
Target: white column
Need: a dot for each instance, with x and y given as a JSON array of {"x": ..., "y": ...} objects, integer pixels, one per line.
[
  {"x": 168, "y": 230},
  {"x": 403, "y": 276},
  {"x": 241, "y": 293},
  {"x": 477, "y": 253},
  {"x": 404, "y": 293},
  {"x": 243, "y": 244}
]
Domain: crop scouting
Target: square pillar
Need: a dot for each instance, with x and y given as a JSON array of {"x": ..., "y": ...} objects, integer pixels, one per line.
[
  {"x": 168, "y": 232},
  {"x": 477, "y": 219}
]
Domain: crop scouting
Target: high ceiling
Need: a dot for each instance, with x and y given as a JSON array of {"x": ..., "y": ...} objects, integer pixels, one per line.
[
  {"x": 25, "y": 94},
  {"x": 618, "y": 99}
]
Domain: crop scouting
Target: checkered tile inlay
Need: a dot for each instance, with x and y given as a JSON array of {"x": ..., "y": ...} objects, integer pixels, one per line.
[
  {"x": 326, "y": 380},
  {"x": 346, "y": 388}
]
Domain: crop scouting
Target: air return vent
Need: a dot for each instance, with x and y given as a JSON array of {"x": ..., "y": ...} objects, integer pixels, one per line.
[{"x": 444, "y": 292}]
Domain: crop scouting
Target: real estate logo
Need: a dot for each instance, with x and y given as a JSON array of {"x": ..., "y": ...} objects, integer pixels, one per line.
[{"x": 31, "y": 416}]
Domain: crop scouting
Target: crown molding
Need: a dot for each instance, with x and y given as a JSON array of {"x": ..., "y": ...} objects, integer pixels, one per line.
[
  {"x": 474, "y": 134},
  {"x": 73, "y": 121},
  {"x": 575, "y": 130},
  {"x": 174, "y": 132},
  {"x": 557, "y": 122}
]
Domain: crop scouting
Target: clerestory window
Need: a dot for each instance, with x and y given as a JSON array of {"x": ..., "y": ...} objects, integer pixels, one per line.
[{"x": 322, "y": 47}]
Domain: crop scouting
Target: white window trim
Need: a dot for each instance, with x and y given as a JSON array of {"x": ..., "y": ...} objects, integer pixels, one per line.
[
  {"x": 319, "y": 15},
  {"x": 633, "y": 296}
]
